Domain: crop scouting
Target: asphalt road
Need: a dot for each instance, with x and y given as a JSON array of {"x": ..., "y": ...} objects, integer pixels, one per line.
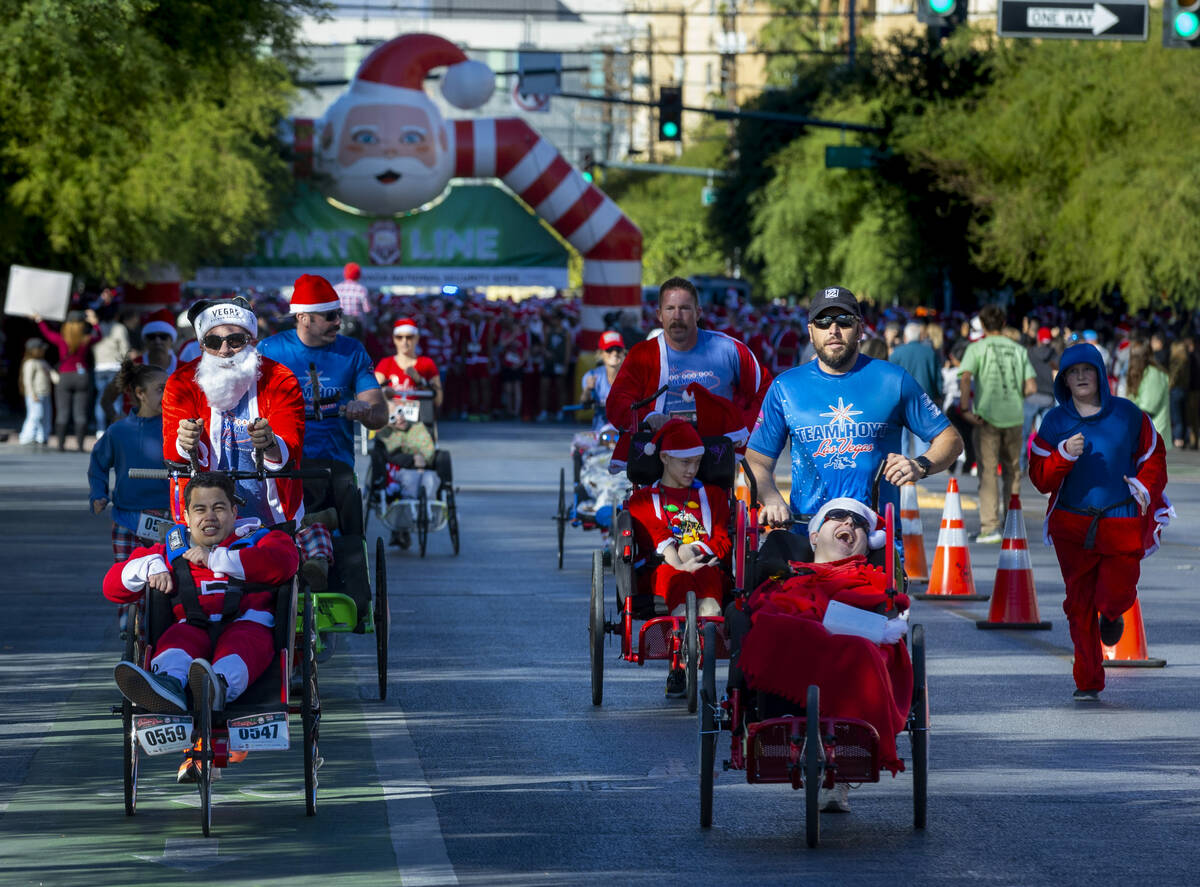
[{"x": 489, "y": 765}]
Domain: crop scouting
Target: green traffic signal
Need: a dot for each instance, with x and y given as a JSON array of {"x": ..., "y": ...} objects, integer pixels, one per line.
[
  {"x": 670, "y": 129},
  {"x": 1187, "y": 24},
  {"x": 587, "y": 175},
  {"x": 942, "y": 7}
]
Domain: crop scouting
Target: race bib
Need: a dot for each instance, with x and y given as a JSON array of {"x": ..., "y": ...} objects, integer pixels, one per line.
[
  {"x": 267, "y": 732},
  {"x": 410, "y": 410},
  {"x": 161, "y": 734},
  {"x": 151, "y": 527}
]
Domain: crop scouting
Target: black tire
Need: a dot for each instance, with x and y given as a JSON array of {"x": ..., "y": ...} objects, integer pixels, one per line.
[
  {"x": 596, "y": 628},
  {"x": 383, "y": 616},
  {"x": 452, "y": 519},
  {"x": 129, "y": 742},
  {"x": 206, "y": 757},
  {"x": 422, "y": 520},
  {"x": 814, "y": 759},
  {"x": 708, "y": 722},
  {"x": 919, "y": 728},
  {"x": 309, "y": 713},
  {"x": 576, "y": 464},
  {"x": 561, "y": 515},
  {"x": 691, "y": 649}
]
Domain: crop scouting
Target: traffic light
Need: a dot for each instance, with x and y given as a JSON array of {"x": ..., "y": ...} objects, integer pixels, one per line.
[
  {"x": 670, "y": 113},
  {"x": 1181, "y": 24},
  {"x": 943, "y": 13},
  {"x": 587, "y": 164}
]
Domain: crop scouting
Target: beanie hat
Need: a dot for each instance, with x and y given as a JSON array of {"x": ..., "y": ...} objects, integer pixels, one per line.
[
  {"x": 716, "y": 415},
  {"x": 405, "y": 326},
  {"x": 676, "y": 438},
  {"x": 313, "y": 294},
  {"x": 206, "y": 315},
  {"x": 352, "y": 271},
  {"x": 161, "y": 321},
  {"x": 876, "y": 533}
]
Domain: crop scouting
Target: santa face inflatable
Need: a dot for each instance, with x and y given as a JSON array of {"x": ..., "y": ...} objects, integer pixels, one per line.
[{"x": 383, "y": 146}]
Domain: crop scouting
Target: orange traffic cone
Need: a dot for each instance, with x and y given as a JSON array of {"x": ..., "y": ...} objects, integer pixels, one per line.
[
  {"x": 951, "y": 578},
  {"x": 1014, "y": 599},
  {"x": 915, "y": 566},
  {"x": 1130, "y": 651}
]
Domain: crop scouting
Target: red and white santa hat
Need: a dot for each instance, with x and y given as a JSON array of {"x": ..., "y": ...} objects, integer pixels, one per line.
[
  {"x": 876, "y": 535},
  {"x": 314, "y": 294},
  {"x": 395, "y": 72},
  {"x": 676, "y": 438},
  {"x": 716, "y": 415},
  {"x": 405, "y": 326},
  {"x": 161, "y": 321}
]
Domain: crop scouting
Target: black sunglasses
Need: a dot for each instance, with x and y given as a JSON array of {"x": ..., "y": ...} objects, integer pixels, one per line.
[
  {"x": 844, "y": 321},
  {"x": 156, "y": 337},
  {"x": 235, "y": 340},
  {"x": 841, "y": 514},
  {"x": 331, "y": 316}
]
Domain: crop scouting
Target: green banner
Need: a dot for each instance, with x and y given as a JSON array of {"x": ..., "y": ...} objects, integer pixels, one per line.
[{"x": 477, "y": 235}]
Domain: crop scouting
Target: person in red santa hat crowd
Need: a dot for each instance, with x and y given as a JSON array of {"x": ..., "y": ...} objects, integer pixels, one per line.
[
  {"x": 407, "y": 370},
  {"x": 232, "y": 403},
  {"x": 683, "y": 522},
  {"x": 217, "y": 553},
  {"x": 353, "y": 295},
  {"x": 780, "y": 646}
]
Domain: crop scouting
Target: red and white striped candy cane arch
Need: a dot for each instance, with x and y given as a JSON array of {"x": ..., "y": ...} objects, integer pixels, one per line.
[{"x": 611, "y": 245}]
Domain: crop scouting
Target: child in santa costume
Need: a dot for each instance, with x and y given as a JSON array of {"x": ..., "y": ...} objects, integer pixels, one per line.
[
  {"x": 1104, "y": 466},
  {"x": 218, "y": 554}
]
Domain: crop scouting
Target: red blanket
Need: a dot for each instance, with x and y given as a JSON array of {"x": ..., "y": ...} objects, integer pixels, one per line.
[{"x": 787, "y": 649}]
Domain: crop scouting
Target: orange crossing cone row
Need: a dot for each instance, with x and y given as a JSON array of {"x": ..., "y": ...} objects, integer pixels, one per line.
[
  {"x": 1014, "y": 599},
  {"x": 951, "y": 578},
  {"x": 915, "y": 566},
  {"x": 1130, "y": 651}
]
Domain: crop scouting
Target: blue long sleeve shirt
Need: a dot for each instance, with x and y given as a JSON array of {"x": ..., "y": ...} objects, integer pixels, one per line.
[{"x": 133, "y": 442}]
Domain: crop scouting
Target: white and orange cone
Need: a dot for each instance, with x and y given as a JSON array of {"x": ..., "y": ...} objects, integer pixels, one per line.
[
  {"x": 951, "y": 578},
  {"x": 1014, "y": 598},
  {"x": 1131, "y": 651},
  {"x": 915, "y": 565}
]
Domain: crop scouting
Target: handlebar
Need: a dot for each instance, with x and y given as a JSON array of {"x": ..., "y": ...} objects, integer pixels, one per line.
[
  {"x": 649, "y": 400},
  {"x": 179, "y": 469},
  {"x": 413, "y": 393}
]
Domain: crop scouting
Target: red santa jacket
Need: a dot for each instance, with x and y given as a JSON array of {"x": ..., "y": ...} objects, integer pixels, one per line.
[
  {"x": 698, "y": 514},
  {"x": 276, "y": 398},
  {"x": 250, "y": 554}
]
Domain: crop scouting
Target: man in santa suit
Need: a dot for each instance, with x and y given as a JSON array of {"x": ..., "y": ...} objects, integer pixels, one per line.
[
  {"x": 683, "y": 522},
  {"x": 217, "y": 553},
  {"x": 683, "y": 355},
  {"x": 232, "y": 403}
]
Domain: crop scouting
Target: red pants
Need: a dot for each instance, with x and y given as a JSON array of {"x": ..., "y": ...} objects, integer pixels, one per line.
[
  {"x": 253, "y": 643},
  {"x": 1102, "y": 580},
  {"x": 673, "y": 585}
]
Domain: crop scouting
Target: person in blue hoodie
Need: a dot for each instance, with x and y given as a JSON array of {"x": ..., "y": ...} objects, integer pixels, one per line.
[
  {"x": 1105, "y": 468},
  {"x": 139, "y": 507}
]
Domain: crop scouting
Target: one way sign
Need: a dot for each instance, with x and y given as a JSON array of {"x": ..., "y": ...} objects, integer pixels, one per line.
[{"x": 1073, "y": 19}]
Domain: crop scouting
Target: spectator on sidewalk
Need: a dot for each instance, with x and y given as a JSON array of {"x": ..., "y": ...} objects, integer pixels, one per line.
[
  {"x": 36, "y": 384},
  {"x": 921, "y": 362},
  {"x": 74, "y": 391}
]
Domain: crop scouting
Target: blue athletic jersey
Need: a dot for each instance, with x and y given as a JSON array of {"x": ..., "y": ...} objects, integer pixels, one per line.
[
  {"x": 344, "y": 370},
  {"x": 842, "y": 428},
  {"x": 600, "y": 389},
  {"x": 714, "y": 363}
]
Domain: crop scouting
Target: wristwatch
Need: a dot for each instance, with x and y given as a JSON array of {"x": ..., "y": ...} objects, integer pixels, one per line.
[{"x": 925, "y": 464}]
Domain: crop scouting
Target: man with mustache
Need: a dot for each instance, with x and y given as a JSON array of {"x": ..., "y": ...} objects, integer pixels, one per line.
[
  {"x": 684, "y": 354},
  {"x": 232, "y": 403},
  {"x": 843, "y": 414}
]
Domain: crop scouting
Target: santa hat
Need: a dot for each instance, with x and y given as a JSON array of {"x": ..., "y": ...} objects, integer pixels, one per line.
[
  {"x": 161, "y": 321},
  {"x": 611, "y": 339},
  {"x": 1044, "y": 335},
  {"x": 400, "y": 66},
  {"x": 313, "y": 294},
  {"x": 676, "y": 438},
  {"x": 207, "y": 314},
  {"x": 352, "y": 271},
  {"x": 716, "y": 415},
  {"x": 405, "y": 326},
  {"x": 876, "y": 533}
]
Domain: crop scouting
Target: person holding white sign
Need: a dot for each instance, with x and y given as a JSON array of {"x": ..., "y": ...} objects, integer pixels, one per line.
[{"x": 139, "y": 512}]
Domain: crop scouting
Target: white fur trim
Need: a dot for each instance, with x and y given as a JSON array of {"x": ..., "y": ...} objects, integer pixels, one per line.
[
  {"x": 650, "y": 449},
  {"x": 160, "y": 326},
  {"x": 1062, "y": 451},
  {"x": 682, "y": 454},
  {"x": 406, "y": 329},
  {"x": 223, "y": 560},
  {"x": 237, "y": 676},
  {"x": 316, "y": 308},
  {"x": 136, "y": 573}
]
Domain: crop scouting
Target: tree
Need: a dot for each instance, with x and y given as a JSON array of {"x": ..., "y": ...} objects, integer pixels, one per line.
[{"x": 137, "y": 132}]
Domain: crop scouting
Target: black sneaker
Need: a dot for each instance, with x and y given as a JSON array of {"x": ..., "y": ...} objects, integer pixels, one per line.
[
  {"x": 216, "y": 697},
  {"x": 157, "y": 693},
  {"x": 676, "y": 684},
  {"x": 1087, "y": 695},
  {"x": 1111, "y": 630}
]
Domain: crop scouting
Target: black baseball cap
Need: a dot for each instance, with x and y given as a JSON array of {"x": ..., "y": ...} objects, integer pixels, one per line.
[{"x": 833, "y": 297}]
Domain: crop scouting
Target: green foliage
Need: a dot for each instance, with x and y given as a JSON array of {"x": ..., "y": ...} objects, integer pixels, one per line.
[
  {"x": 1080, "y": 162},
  {"x": 135, "y": 132}
]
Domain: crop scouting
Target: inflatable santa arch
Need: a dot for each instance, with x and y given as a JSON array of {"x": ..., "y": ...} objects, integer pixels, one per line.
[{"x": 383, "y": 148}]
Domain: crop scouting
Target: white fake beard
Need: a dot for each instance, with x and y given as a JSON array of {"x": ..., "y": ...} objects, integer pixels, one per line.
[
  {"x": 225, "y": 380},
  {"x": 357, "y": 186}
]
